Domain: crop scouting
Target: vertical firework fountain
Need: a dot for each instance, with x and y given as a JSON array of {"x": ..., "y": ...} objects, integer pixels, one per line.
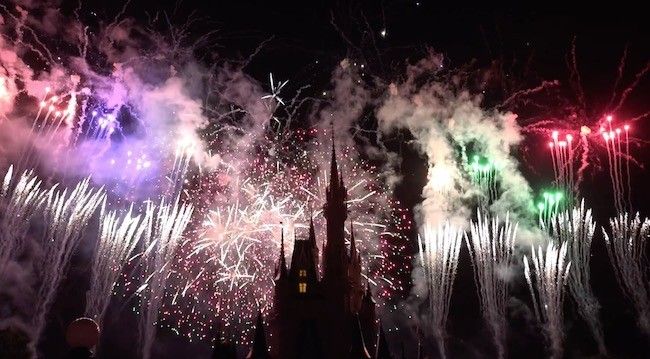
[
  {"x": 484, "y": 175},
  {"x": 617, "y": 143},
  {"x": 118, "y": 238},
  {"x": 66, "y": 216},
  {"x": 491, "y": 248},
  {"x": 439, "y": 249},
  {"x": 546, "y": 282},
  {"x": 576, "y": 228},
  {"x": 562, "y": 156},
  {"x": 165, "y": 225},
  {"x": 20, "y": 199},
  {"x": 626, "y": 247}
]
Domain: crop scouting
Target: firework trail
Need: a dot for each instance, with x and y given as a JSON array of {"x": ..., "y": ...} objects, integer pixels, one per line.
[
  {"x": 552, "y": 203},
  {"x": 551, "y": 272},
  {"x": 484, "y": 176},
  {"x": 491, "y": 248},
  {"x": 626, "y": 248},
  {"x": 617, "y": 143},
  {"x": 439, "y": 249},
  {"x": 20, "y": 200},
  {"x": 563, "y": 158},
  {"x": 232, "y": 234},
  {"x": 164, "y": 232},
  {"x": 117, "y": 239},
  {"x": 576, "y": 228},
  {"x": 66, "y": 216}
]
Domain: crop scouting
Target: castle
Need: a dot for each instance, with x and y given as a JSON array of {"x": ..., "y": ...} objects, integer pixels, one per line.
[{"x": 321, "y": 314}]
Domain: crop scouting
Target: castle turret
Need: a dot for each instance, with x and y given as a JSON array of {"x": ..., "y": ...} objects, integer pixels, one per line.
[
  {"x": 358, "y": 348},
  {"x": 381, "y": 347},
  {"x": 260, "y": 349},
  {"x": 223, "y": 349},
  {"x": 335, "y": 258},
  {"x": 354, "y": 275},
  {"x": 368, "y": 318},
  {"x": 281, "y": 271}
]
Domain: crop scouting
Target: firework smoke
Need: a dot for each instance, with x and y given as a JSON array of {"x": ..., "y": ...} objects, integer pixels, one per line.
[
  {"x": 165, "y": 225},
  {"x": 491, "y": 248},
  {"x": 450, "y": 127},
  {"x": 626, "y": 248},
  {"x": 439, "y": 249},
  {"x": 576, "y": 228},
  {"x": 118, "y": 237},
  {"x": 546, "y": 282}
]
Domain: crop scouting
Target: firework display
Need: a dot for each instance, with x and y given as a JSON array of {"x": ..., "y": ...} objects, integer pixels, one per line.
[
  {"x": 164, "y": 227},
  {"x": 576, "y": 228},
  {"x": 626, "y": 245},
  {"x": 439, "y": 249},
  {"x": 20, "y": 198},
  {"x": 118, "y": 237},
  {"x": 67, "y": 214},
  {"x": 160, "y": 173},
  {"x": 492, "y": 246},
  {"x": 547, "y": 277}
]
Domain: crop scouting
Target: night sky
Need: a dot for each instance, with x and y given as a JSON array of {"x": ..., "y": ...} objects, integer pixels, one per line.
[{"x": 515, "y": 48}]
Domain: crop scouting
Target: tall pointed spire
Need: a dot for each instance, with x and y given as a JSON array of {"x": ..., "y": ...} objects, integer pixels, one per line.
[
  {"x": 259, "y": 350},
  {"x": 381, "y": 349},
  {"x": 282, "y": 270},
  {"x": 334, "y": 170},
  {"x": 353, "y": 246},
  {"x": 358, "y": 348},
  {"x": 312, "y": 231}
]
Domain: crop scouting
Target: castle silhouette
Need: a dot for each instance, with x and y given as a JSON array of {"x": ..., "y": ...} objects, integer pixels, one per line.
[{"x": 317, "y": 314}]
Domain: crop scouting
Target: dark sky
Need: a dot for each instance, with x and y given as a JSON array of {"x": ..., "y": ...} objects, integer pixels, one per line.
[{"x": 307, "y": 39}]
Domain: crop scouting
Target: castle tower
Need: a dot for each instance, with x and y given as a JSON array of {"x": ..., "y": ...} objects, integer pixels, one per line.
[
  {"x": 358, "y": 348},
  {"x": 335, "y": 258},
  {"x": 259, "y": 350},
  {"x": 381, "y": 348},
  {"x": 368, "y": 318},
  {"x": 354, "y": 275}
]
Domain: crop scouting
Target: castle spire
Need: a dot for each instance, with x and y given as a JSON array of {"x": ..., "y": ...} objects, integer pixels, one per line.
[
  {"x": 358, "y": 348},
  {"x": 353, "y": 246},
  {"x": 334, "y": 170},
  {"x": 312, "y": 231},
  {"x": 381, "y": 349},
  {"x": 259, "y": 350},
  {"x": 282, "y": 271}
]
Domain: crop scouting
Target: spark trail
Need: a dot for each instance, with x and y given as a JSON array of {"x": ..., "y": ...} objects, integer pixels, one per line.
[
  {"x": 563, "y": 157},
  {"x": 617, "y": 144},
  {"x": 626, "y": 247},
  {"x": 67, "y": 214},
  {"x": 491, "y": 248},
  {"x": 165, "y": 225},
  {"x": 552, "y": 203},
  {"x": 20, "y": 199},
  {"x": 118, "y": 237},
  {"x": 576, "y": 228},
  {"x": 439, "y": 249},
  {"x": 484, "y": 176},
  {"x": 547, "y": 278}
]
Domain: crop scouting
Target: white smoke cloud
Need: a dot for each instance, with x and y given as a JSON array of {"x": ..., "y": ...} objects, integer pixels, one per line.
[{"x": 448, "y": 122}]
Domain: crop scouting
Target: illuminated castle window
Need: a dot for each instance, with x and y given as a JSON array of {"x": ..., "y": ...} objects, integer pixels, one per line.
[
  {"x": 302, "y": 287},
  {"x": 303, "y": 273}
]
